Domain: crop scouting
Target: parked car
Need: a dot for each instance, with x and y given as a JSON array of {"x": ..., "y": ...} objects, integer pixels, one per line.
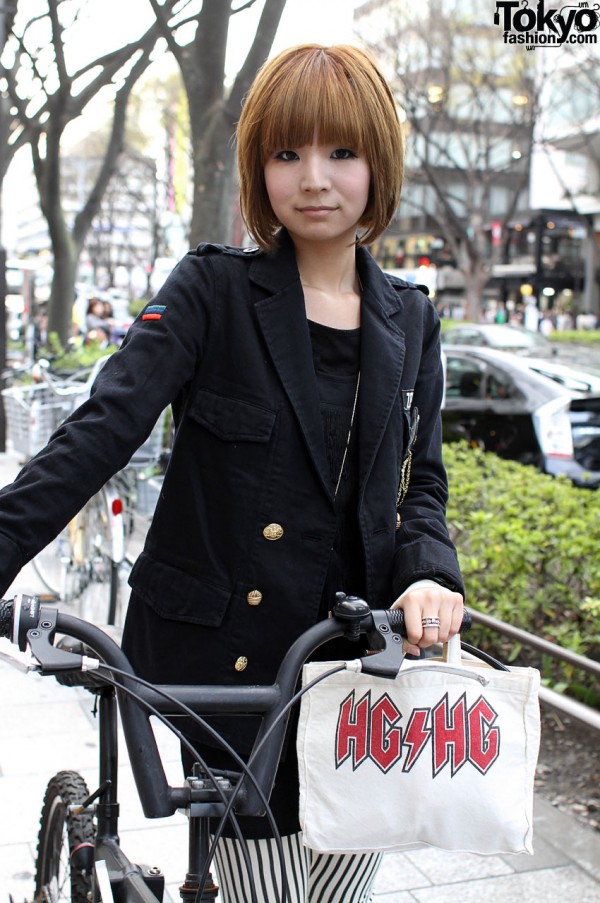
[
  {"x": 531, "y": 410},
  {"x": 503, "y": 336}
]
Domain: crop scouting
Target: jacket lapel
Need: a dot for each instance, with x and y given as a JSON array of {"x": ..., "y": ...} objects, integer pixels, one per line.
[
  {"x": 282, "y": 320},
  {"x": 382, "y": 358}
]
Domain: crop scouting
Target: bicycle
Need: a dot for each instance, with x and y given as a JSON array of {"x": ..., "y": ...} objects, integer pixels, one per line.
[
  {"x": 79, "y": 857},
  {"x": 33, "y": 410},
  {"x": 86, "y": 562}
]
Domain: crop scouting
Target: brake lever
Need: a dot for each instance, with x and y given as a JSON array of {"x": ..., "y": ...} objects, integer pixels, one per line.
[
  {"x": 382, "y": 630},
  {"x": 387, "y": 661},
  {"x": 40, "y": 641},
  {"x": 22, "y": 661}
]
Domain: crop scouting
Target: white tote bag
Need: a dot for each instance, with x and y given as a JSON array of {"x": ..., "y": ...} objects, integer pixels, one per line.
[{"x": 444, "y": 755}]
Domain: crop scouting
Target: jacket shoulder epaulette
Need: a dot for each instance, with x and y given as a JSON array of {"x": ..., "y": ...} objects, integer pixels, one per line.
[
  {"x": 205, "y": 248},
  {"x": 401, "y": 284}
]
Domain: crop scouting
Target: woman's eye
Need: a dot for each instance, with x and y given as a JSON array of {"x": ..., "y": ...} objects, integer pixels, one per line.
[
  {"x": 344, "y": 153},
  {"x": 286, "y": 155}
]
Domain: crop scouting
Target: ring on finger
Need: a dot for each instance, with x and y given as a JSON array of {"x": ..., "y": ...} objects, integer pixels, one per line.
[{"x": 431, "y": 622}]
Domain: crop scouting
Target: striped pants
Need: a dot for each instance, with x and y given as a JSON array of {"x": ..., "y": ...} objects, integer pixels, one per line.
[{"x": 311, "y": 877}]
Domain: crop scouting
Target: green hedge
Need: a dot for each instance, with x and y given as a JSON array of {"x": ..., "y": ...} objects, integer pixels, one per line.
[
  {"x": 568, "y": 336},
  {"x": 529, "y": 548},
  {"x": 577, "y": 336}
]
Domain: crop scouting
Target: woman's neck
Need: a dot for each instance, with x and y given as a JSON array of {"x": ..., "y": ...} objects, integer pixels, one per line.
[
  {"x": 329, "y": 270},
  {"x": 331, "y": 287}
]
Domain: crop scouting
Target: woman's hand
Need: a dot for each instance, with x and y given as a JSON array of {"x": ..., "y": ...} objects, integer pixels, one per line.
[{"x": 428, "y": 601}]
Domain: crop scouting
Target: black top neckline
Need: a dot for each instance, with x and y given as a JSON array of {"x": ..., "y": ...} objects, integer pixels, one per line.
[{"x": 333, "y": 329}]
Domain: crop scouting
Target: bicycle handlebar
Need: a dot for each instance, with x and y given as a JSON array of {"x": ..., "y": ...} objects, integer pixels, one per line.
[{"x": 27, "y": 623}]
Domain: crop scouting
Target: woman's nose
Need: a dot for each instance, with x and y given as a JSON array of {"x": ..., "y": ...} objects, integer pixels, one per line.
[{"x": 315, "y": 176}]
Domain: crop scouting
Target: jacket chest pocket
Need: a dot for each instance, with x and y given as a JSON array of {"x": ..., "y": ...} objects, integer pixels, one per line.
[
  {"x": 231, "y": 419},
  {"x": 231, "y": 448}
]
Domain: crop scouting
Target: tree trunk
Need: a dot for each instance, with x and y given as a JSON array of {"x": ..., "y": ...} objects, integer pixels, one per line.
[
  {"x": 214, "y": 168},
  {"x": 472, "y": 298},
  {"x": 44, "y": 132},
  {"x": 64, "y": 251},
  {"x": 62, "y": 293},
  {"x": 213, "y": 110},
  {"x": 476, "y": 276}
]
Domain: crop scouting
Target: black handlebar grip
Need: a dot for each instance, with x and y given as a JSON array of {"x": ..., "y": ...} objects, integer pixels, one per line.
[
  {"x": 6, "y": 618},
  {"x": 396, "y": 621},
  {"x": 17, "y": 616}
]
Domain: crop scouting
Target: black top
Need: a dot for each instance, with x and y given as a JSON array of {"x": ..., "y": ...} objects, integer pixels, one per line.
[{"x": 336, "y": 355}]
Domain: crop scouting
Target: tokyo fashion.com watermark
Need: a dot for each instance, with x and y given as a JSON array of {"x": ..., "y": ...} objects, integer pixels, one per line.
[{"x": 541, "y": 27}]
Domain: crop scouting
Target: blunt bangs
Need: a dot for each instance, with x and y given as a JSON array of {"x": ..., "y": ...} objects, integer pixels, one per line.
[{"x": 316, "y": 97}]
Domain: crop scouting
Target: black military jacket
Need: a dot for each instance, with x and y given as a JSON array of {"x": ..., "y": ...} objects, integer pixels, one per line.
[{"x": 236, "y": 557}]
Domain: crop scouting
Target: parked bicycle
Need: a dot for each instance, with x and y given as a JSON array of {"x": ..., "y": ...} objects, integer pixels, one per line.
[
  {"x": 79, "y": 857},
  {"x": 34, "y": 410},
  {"x": 88, "y": 561}
]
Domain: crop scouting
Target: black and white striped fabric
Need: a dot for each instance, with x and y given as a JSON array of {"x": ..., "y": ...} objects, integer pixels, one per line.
[{"x": 311, "y": 877}]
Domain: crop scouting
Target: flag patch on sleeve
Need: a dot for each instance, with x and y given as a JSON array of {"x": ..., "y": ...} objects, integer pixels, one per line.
[{"x": 154, "y": 312}]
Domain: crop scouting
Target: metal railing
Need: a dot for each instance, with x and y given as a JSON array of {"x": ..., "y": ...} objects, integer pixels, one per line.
[{"x": 577, "y": 710}]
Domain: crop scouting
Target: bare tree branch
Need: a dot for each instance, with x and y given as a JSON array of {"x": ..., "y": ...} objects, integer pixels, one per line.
[
  {"x": 214, "y": 108},
  {"x": 463, "y": 131},
  {"x": 41, "y": 124}
]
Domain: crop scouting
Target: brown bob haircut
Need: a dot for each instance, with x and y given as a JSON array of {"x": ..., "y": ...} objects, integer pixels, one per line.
[{"x": 337, "y": 92}]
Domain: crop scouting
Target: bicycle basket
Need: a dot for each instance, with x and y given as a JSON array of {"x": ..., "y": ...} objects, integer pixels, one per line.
[{"x": 32, "y": 414}]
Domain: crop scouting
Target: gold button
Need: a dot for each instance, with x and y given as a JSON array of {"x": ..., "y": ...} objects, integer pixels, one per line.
[
  {"x": 398, "y": 521},
  {"x": 273, "y": 531},
  {"x": 241, "y": 663},
  {"x": 254, "y": 597}
]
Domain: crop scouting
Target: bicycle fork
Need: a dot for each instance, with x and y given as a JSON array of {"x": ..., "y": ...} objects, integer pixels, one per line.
[
  {"x": 199, "y": 846},
  {"x": 114, "y": 873},
  {"x": 113, "y": 870}
]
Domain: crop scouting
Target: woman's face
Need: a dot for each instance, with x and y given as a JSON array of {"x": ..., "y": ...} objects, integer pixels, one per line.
[{"x": 319, "y": 192}]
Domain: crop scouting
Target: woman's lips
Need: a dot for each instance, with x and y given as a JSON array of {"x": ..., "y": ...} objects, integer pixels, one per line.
[{"x": 316, "y": 211}]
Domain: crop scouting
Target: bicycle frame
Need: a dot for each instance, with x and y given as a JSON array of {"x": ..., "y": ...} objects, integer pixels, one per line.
[
  {"x": 157, "y": 797},
  {"x": 115, "y": 873},
  {"x": 35, "y": 626}
]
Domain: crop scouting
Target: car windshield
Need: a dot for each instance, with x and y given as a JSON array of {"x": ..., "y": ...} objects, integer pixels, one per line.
[
  {"x": 507, "y": 338},
  {"x": 570, "y": 379},
  {"x": 510, "y": 337}
]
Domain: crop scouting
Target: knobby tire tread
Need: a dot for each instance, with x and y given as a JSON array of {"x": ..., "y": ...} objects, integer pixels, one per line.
[{"x": 65, "y": 789}]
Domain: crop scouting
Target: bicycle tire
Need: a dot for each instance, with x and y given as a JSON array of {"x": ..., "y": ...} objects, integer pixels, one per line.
[
  {"x": 51, "y": 562},
  {"x": 95, "y": 576},
  {"x": 77, "y": 565},
  {"x": 65, "y": 565},
  {"x": 57, "y": 880}
]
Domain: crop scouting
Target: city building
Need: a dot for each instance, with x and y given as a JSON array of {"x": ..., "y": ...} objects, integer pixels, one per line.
[{"x": 471, "y": 224}]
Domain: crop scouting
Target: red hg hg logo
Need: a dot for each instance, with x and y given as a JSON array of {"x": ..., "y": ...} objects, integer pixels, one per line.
[{"x": 456, "y": 735}]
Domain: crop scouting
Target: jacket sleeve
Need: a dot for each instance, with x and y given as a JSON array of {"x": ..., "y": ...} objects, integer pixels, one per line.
[
  {"x": 157, "y": 359},
  {"x": 423, "y": 546}
]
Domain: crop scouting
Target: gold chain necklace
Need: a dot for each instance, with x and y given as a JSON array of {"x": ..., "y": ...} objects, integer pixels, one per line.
[
  {"x": 339, "y": 479},
  {"x": 345, "y": 455}
]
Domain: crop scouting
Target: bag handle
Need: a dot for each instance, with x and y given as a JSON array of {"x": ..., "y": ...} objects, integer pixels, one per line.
[{"x": 451, "y": 650}]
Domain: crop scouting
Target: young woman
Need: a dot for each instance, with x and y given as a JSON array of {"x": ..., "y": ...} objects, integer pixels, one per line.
[{"x": 306, "y": 389}]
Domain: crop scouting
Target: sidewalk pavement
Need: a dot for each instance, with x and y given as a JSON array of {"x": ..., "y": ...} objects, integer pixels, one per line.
[{"x": 45, "y": 728}]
